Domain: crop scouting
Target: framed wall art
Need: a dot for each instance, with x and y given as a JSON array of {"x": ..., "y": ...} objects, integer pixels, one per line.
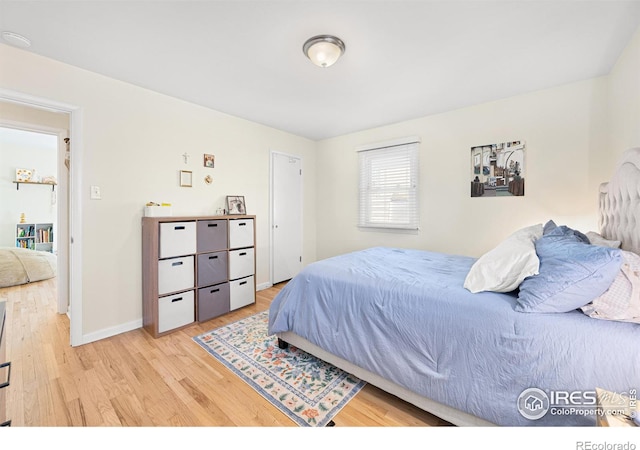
[
  {"x": 236, "y": 205},
  {"x": 186, "y": 178},
  {"x": 497, "y": 170}
]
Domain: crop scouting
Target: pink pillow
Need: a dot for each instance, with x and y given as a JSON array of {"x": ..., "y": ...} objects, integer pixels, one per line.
[{"x": 622, "y": 300}]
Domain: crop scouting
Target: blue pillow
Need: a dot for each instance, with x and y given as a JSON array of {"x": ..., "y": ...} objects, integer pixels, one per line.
[
  {"x": 551, "y": 226},
  {"x": 571, "y": 274}
]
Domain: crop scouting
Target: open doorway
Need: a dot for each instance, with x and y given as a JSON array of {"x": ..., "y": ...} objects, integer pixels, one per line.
[
  {"x": 29, "y": 212},
  {"x": 21, "y": 112}
]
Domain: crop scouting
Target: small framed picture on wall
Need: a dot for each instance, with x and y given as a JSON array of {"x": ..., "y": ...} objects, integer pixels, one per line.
[
  {"x": 186, "y": 178},
  {"x": 209, "y": 161},
  {"x": 236, "y": 205}
]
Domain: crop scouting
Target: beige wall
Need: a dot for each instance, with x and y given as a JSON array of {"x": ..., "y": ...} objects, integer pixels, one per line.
[
  {"x": 624, "y": 103},
  {"x": 133, "y": 141},
  {"x": 620, "y": 115},
  {"x": 559, "y": 126},
  {"x": 574, "y": 136},
  {"x": 27, "y": 115}
]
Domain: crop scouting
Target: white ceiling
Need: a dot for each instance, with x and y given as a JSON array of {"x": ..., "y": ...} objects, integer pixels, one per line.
[{"x": 404, "y": 59}]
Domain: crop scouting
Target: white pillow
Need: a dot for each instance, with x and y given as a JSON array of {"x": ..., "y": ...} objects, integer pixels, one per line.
[
  {"x": 597, "y": 239},
  {"x": 622, "y": 300},
  {"x": 506, "y": 266}
]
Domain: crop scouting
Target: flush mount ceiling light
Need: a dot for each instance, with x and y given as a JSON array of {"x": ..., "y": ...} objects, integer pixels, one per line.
[
  {"x": 323, "y": 50},
  {"x": 16, "y": 39}
]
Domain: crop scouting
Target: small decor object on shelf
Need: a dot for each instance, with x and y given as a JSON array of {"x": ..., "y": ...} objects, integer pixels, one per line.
[
  {"x": 23, "y": 218},
  {"x": 153, "y": 209},
  {"x": 209, "y": 161},
  {"x": 186, "y": 178},
  {"x": 24, "y": 174},
  {"x": 236, "y": 205}
]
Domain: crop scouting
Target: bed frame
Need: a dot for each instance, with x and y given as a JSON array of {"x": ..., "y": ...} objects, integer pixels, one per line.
[{"x": 619, "y": 219}]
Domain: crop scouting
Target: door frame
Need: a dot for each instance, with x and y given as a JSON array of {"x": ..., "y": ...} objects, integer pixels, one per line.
[
  {"x": 272, "y": 153},
  {"x": 75, "y": 202}
]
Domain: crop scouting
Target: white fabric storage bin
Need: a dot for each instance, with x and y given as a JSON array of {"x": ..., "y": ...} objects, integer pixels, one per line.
[
  {"x": 157, "y": 211},
  {"x": 177, "y": 239},
  {"x": 242, "y": 292},
  {"x": 240, "y": 233},
  {"x": 175, "y": 311},
  {"x": 175, "y": 274},
  {"x": 241, "y": 263}
]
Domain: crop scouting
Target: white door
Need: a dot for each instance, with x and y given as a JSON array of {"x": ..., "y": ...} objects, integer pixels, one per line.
[{"x": 286, "y": 216}]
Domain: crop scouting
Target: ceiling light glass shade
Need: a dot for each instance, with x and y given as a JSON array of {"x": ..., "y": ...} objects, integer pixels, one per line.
[
  {"x": 16, "y": 39},
  {"x": 323, "y": 50}
]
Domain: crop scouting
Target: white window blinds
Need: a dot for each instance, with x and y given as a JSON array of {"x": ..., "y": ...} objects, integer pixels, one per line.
[{"x": 389, "y": 186}]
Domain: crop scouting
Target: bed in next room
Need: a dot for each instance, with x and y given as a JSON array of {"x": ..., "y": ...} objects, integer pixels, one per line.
[{"x": 486, "y": 341}]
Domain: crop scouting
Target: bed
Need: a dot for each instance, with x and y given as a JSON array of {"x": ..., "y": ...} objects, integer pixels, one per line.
[
  {"x": 21, "y": 266},
  {"x": 403, "y": 320}
]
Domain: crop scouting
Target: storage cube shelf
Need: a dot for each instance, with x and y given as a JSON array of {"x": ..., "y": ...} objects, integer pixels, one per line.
[
  {"x": 35, "y": 236},
  {"x": 195, "y": 269}
]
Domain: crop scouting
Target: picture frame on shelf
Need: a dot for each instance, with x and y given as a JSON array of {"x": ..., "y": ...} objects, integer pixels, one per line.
[
  {"x": 24, "y": 175},
  {"x": 236, "y": 205},
  {"x": 186, "y": 178}
]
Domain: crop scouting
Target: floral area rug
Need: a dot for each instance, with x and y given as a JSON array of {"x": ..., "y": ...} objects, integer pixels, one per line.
[{"x": 305, "y": 388}]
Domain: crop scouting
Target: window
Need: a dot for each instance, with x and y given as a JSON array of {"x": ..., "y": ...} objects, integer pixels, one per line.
[{"x": 389, "y": 185}]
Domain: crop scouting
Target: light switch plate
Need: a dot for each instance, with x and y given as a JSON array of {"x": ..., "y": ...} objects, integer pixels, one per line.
[{"x": 95, "y": 193}]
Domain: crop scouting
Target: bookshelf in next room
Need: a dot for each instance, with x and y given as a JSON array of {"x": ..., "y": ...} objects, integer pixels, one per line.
[{"x": 35, "y": 236}]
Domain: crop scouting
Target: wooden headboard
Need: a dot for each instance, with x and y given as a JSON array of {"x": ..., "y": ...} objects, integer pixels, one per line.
[{"x": 619, "y": 203}]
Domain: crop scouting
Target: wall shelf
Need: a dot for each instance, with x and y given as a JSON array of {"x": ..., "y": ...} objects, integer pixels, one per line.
[{"x": 18, "y": 183}]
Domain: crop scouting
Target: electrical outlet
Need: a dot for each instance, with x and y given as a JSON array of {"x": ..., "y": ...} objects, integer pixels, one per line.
[{"x": 95, "y": 193}]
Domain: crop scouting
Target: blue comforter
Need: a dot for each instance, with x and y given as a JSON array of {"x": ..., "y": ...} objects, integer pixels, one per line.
[{"x": 405, "y": 315}]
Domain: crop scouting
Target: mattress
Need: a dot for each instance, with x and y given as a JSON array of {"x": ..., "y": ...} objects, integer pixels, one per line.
[{"x": 404, "y": 315}]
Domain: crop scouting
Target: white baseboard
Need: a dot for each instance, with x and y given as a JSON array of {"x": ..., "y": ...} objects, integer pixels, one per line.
[
  {"x": 108, "y": 332},
  {"x": 263, "y": 286}
]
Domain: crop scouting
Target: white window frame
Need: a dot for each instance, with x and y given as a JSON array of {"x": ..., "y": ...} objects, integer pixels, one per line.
[{"x": 382, "y": 204}]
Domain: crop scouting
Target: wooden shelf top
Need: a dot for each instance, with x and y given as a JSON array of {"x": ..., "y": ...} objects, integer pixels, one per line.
[
  {"x": 18, "y": 183},
  {"x": 195, "y": 218},
  {"x": 33, "y": 182}
]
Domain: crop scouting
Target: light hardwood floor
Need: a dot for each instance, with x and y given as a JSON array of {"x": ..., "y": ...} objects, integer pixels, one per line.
[{"x": 134, "y": 380}]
